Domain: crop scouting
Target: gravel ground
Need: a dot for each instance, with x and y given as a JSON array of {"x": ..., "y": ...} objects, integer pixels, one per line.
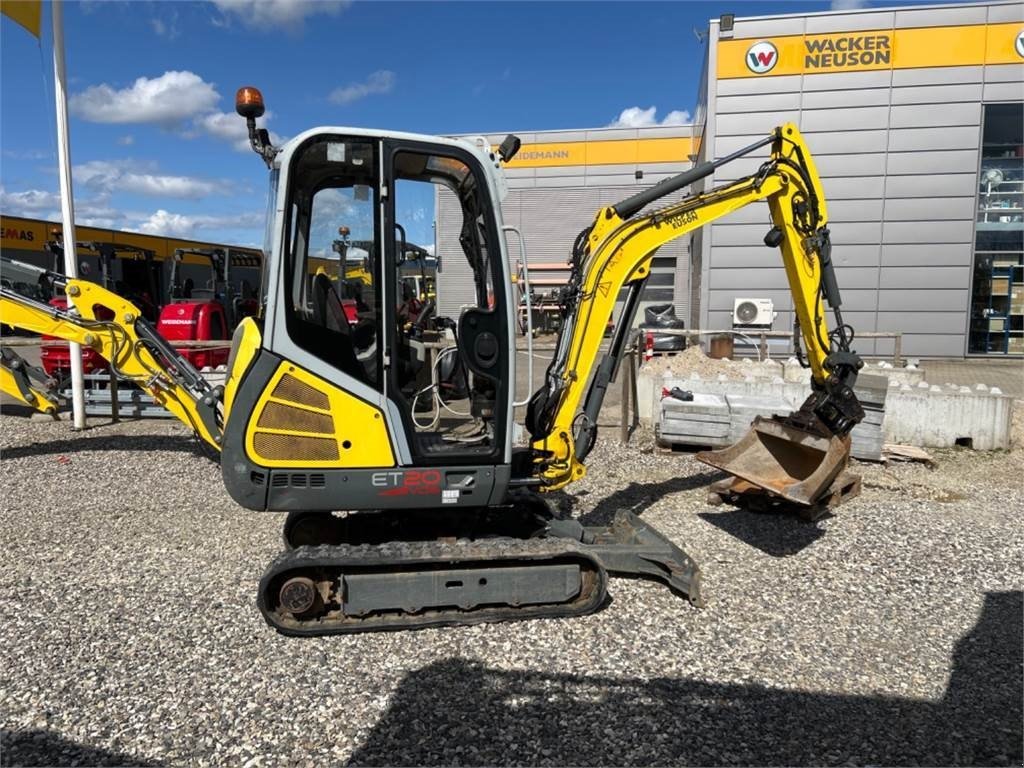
[{"x": 887, "y": 634}]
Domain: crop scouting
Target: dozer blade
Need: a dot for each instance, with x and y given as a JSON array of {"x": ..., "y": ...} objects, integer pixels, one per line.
[{"x": 783, "y": 460}]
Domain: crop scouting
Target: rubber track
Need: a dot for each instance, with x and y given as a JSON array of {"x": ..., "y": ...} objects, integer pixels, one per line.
[{"x": 459, "y": 554}]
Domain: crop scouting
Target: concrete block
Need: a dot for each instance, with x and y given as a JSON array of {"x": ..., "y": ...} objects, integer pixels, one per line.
[{"x": 930, "y": 416}]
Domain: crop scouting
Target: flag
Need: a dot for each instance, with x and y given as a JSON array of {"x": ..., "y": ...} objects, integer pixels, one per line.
[{"x": 28, "y": 13}]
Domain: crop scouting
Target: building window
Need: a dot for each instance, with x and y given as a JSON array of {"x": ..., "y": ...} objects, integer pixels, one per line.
[{"x": 997, "y": 302}]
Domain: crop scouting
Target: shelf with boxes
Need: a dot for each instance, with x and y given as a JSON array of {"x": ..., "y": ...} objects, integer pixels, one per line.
[{"x": 1005, "y": 312}]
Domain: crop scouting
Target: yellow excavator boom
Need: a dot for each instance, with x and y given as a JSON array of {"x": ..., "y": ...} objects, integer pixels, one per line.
[{"x": 615, "y": 252}]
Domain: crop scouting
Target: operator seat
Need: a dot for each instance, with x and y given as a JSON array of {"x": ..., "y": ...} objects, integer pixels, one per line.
[
  {"x": 335, "y": 347},
  {"x": 327, "y": 309}
]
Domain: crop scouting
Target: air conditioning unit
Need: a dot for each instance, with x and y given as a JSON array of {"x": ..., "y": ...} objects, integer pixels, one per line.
[{"x": 753, "y": 313}]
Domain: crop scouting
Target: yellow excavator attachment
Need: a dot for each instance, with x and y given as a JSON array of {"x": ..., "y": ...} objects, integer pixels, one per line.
[{"x": 783, "y": 461}]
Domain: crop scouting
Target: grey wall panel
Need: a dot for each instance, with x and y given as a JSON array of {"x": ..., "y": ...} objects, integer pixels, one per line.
[
  {"x": 925, "y": 345},
  {"x": 937, "y": 162},
  {"x": 765, "y": 102},
  {"x": 878, "y": 78},
  {"x": 934, "y": 277},
  {"x": 620, "y": 179},
  {"x": 757, "y": 85},
  {"x": 852, "y": 119},
  {"x": 754, "y": 125},
  {"x": 860, "y": 97},
  {"x": 917, "y": 209},
  {"x": 1004, "y": 73},
  {"x": 937, "y": 76},
  {"x": 1001, "y": 13},
  {"x": 853, "y": 188},
  {"x": 950, "y": 185},
  {"x": 765, "y": 278},
  {"x": 922, "y": 322},
  {"x": 853, "y": 278},
  {"x": 922, "y": 301},
  {"x": 921, "y": 139},
  {"x": 862, "y": 233},
  {"x": 941, "y": 17},
  {"x": 849, "y": 22},
  {"x": 558, "y": 181},
  {"x": 1004, "y": 91},
  {"x": 929, "y": 115},
  {"x": 871, "y": 164},
  {"x": 849, "y": 211},
  {"x": 845, "y": 142},
  {"x": 928, "y": 232},
  {"x": 931, "y": 254},
  {"x": 793, "y": 25},
  {"x": 936, "y": 94},
  {"x": 853, "y": 255}
]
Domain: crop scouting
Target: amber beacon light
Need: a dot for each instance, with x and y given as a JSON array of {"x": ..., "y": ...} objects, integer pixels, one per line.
[{"x": 249, "y": 102}]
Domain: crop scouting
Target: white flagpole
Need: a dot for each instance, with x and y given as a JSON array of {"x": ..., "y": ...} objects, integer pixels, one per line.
[{"x": 67, "y": 204}]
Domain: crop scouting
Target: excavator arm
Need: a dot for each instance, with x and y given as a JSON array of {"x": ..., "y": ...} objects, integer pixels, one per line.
[
  {"x": 135, "y": 350},
  {"x": 615, "y": 252},
  {"x": 27, "y": 383}
]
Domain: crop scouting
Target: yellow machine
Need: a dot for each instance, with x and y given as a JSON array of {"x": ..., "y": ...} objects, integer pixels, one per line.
[{"x": 447, "y": 522}]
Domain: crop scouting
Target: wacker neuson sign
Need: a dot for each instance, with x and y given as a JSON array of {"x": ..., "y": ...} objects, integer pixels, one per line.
[{"x": 875, "y": 49}]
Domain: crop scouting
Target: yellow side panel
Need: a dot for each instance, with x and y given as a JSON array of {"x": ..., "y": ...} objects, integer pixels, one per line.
[
  {"x": 244, "y": 346},
  {"x": 302, "y": 421}
]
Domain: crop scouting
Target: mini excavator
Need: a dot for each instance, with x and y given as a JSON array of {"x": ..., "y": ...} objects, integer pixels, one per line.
[{"x": 394, "y": 524}]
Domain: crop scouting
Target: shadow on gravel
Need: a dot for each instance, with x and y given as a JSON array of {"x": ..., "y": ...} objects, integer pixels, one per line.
[
  {"x": 637, "y": 497},
  {"x": 87, "y": 442},
  {"x": 50, "y": 748},
  {"x": 778, "y": 535},
  {"x": 459, "y": 711}
]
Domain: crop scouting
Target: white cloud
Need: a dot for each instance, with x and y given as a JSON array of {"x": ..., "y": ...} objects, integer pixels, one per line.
[
  {"x": 186, "y": 225},
  {"x": 41, "y": 204},
  {"x": 28, "y": 154},
  {"x": 167, "y": 29},
  {"x": 28, "y": 203},
  {"x": 381, "y": 81},
  {"x": 275, "y": 14},
  {"x": 126, "y": 141},
  {"x": 164, "y": 100},
  {"x": 108, "y": 177},
  {"x": 230, "y": 127},
  {"x": 635, "y": 117},
  {"x": 849, "y": 5}
]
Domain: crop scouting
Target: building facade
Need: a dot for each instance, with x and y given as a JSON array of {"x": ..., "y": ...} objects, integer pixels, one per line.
[
  {"x": 915, "y": 118},
  {"x": 557, "y": 182}
]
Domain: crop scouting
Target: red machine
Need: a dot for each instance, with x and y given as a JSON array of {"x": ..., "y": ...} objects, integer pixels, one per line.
[
  {"x": 210, "y": 311},
  {"x": 196, "y": 321},
  {"x": 56, "y": 355}
]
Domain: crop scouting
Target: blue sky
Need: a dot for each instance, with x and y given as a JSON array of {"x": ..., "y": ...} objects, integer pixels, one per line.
[{"x": 156, "y": 145}]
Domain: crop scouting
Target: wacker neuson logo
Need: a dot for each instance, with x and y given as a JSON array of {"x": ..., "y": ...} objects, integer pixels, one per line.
[
  {"x": 1019, "y": 44},
  {"x": 847, "y": 51},
  {"x": 762, "y": 57}
]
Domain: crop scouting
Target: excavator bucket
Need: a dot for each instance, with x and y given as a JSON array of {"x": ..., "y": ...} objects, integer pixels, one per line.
[{"x": 786, "y": 462}]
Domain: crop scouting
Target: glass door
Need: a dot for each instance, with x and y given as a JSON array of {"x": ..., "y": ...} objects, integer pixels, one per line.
[{"x": 997, "y": 302}]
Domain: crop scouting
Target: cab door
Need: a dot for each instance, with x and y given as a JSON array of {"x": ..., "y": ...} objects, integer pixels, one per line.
[{"x": 450, "y": 378}]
